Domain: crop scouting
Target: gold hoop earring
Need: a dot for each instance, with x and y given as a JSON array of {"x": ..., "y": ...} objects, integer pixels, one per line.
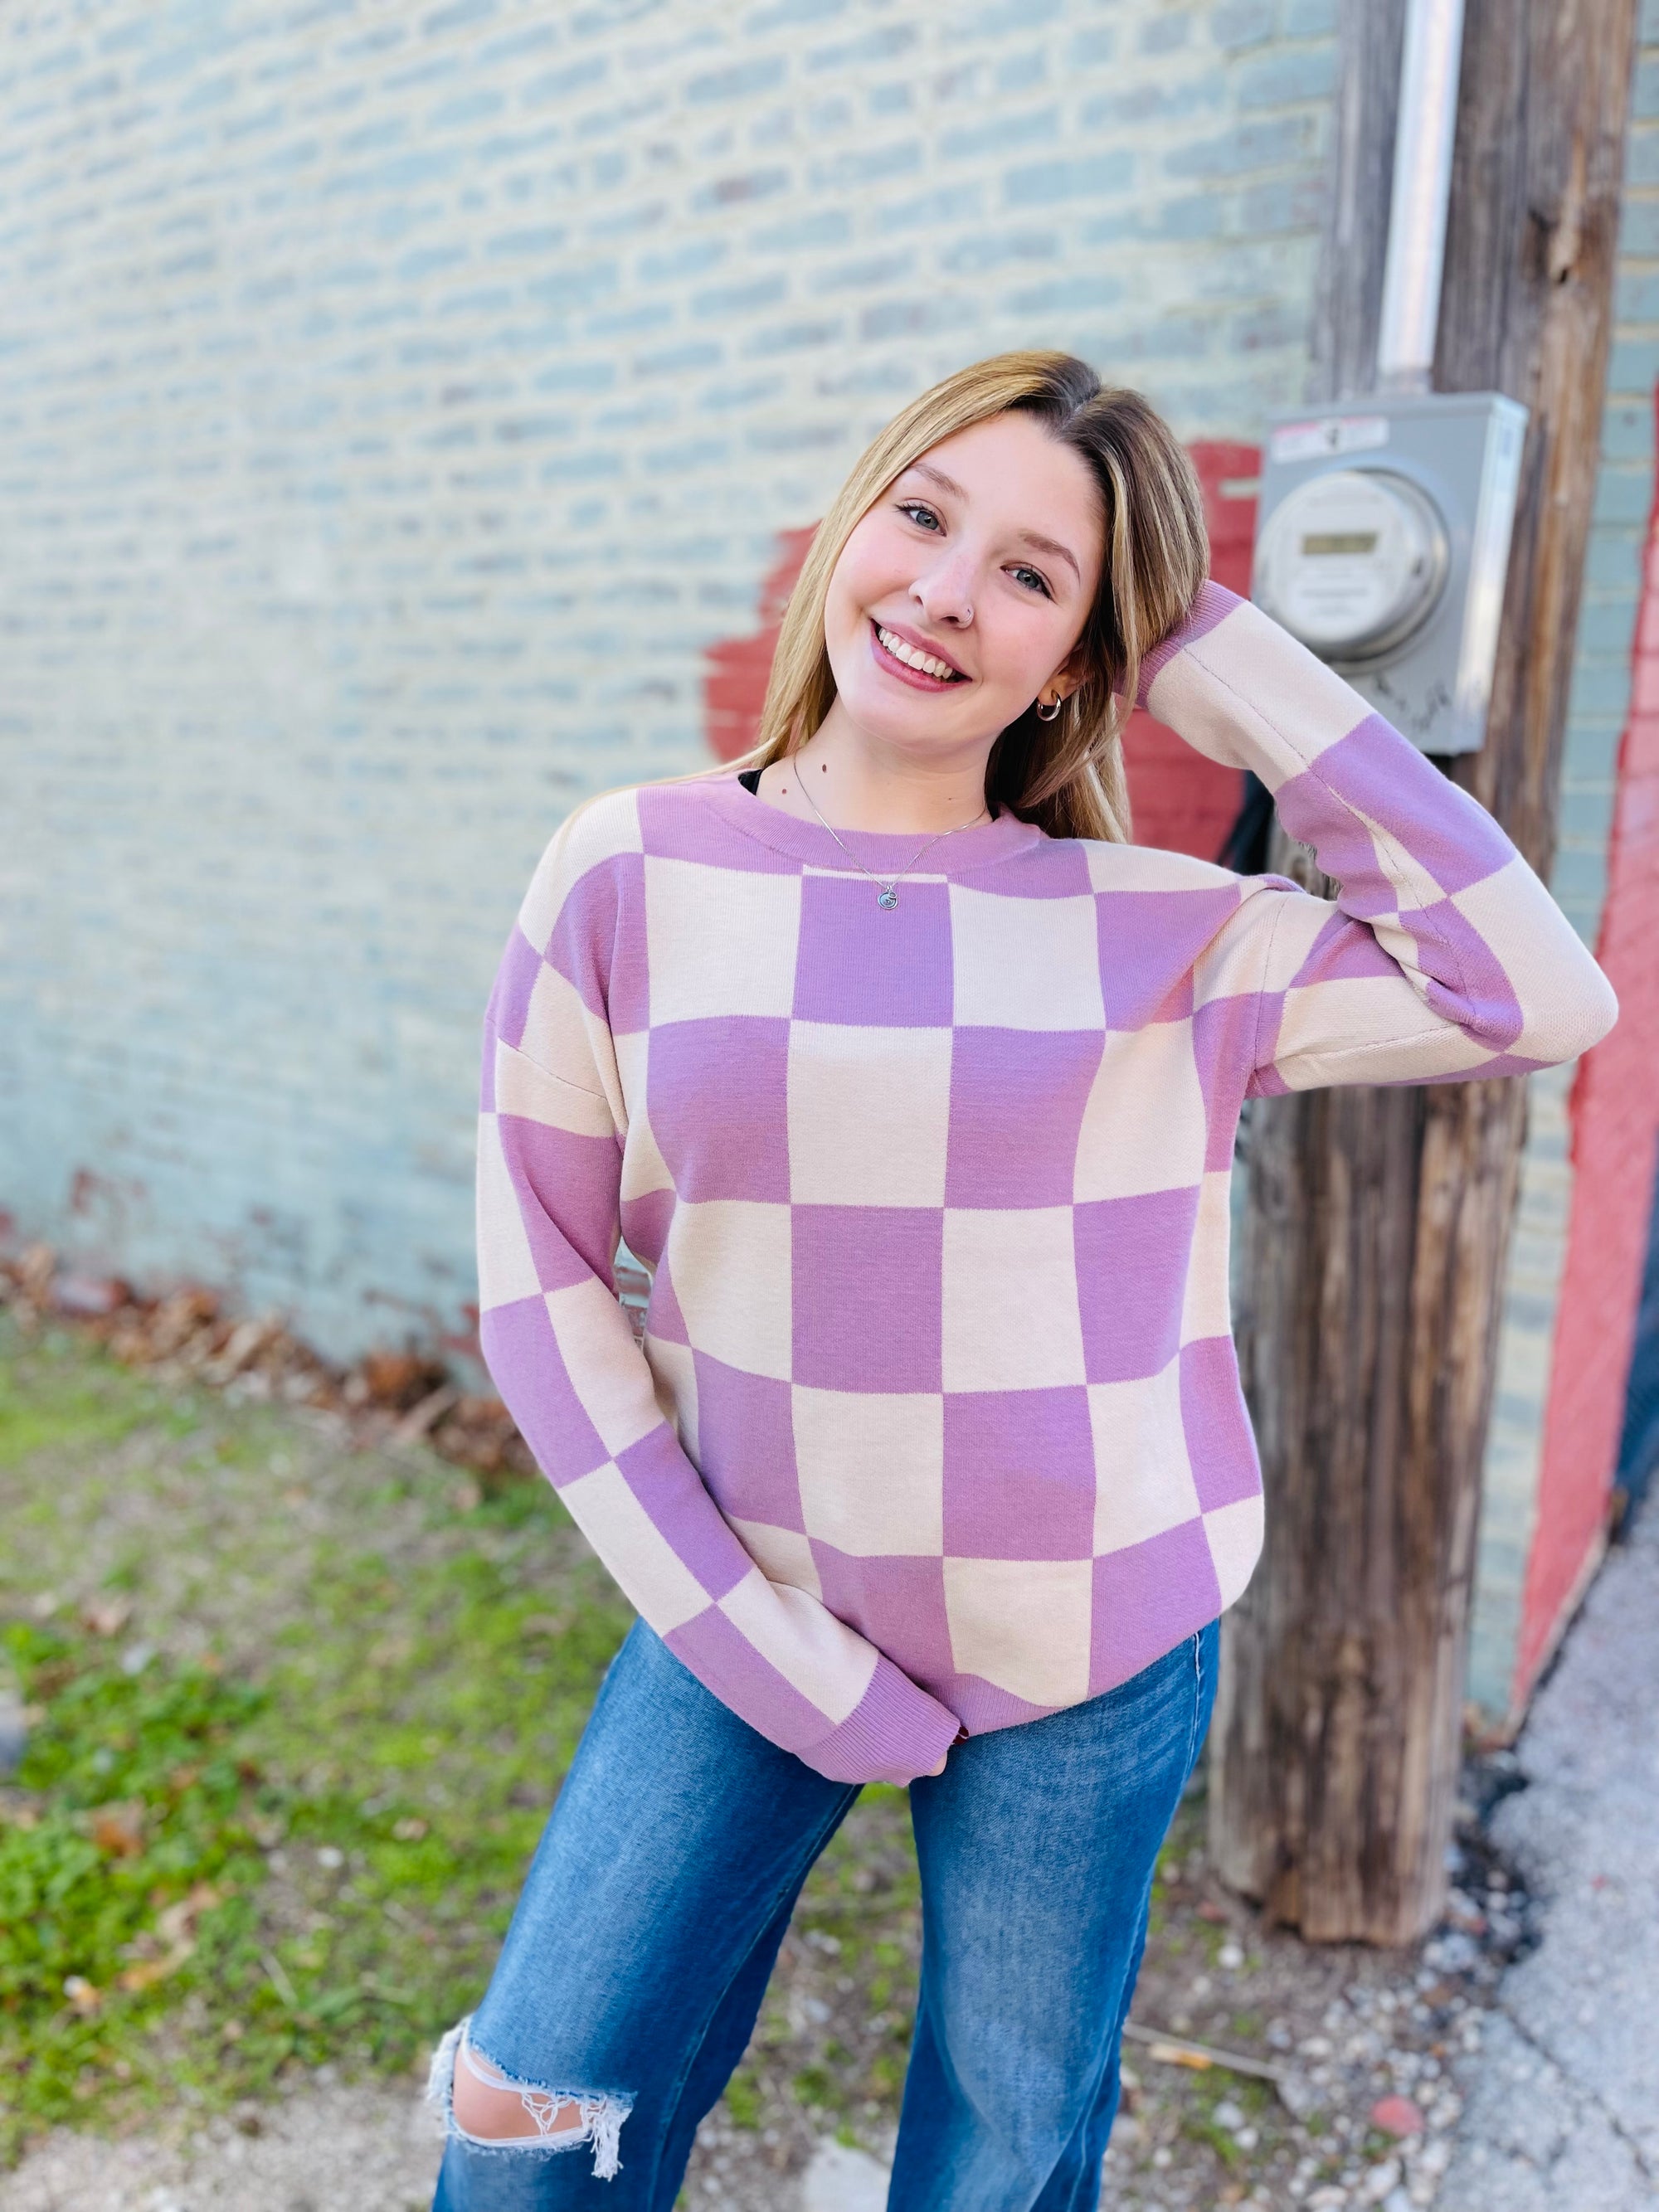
[{"x": 1052, "y": 714}]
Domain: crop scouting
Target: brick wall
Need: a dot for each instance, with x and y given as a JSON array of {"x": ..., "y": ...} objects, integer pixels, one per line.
[
  {"x": 1615, "y": 1133},
  {"x": 1587, "y": 1179},
  {"x": 1178, "y": 801},
  {"x": 395, "y": 405}
]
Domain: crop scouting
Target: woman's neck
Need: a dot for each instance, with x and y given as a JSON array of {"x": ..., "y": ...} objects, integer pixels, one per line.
[{"x": 841, "y": 776}]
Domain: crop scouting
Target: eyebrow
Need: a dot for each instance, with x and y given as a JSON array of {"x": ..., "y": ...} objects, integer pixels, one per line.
[{"x": 1031, "y": 538}]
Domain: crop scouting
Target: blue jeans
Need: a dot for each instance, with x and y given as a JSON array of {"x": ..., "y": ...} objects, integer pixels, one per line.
[{"x": 657, "y": 1899}]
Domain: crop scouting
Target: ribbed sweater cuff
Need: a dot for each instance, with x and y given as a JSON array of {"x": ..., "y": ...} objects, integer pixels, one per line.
[{"x": 894, "y": 1732}]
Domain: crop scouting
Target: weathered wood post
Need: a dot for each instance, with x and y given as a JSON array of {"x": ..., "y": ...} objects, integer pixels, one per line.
[{"x": 1377, "y": 1220}]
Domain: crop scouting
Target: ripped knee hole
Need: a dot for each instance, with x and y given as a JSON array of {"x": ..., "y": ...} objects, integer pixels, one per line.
[
  {"x": 486, "y": 2103},
  {"x": 486, "y": 2108}
]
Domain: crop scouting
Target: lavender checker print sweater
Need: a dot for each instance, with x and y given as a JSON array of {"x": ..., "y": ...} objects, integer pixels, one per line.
[{"x": 938, "y": 1416}]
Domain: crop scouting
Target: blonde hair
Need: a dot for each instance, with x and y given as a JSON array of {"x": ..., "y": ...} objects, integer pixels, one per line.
[{"x": 1065, "y": 775}]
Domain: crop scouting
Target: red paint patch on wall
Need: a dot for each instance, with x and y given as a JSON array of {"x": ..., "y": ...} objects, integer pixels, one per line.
[
  {"x": 1180, "y": 800},
  {"x": 734, "y": 682},
  {"x": 1616, "y": 1130}
]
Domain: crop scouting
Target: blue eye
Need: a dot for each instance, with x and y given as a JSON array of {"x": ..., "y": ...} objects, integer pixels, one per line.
[{"x": 918, "y": 512}]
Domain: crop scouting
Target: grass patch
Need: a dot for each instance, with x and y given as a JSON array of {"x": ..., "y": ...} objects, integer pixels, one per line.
[
  {"x": 294, "y": 1830},
  {"x": 126, "y": 1873},
  {"x": 321, "y": 1743},
  {"x": 204, "y": 1879},
  {"x": 97, "y": 1406}
]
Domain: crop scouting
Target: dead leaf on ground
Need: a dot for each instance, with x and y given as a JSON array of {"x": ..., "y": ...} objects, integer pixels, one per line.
[
  {"x": 390, "y": 1398},
  {"x": 106, "y": 1616},
  {"x": 397, "y": 1379},
  {"x": 239, "y": 1351},
  {"x": 118, "y": 1828},
  {"x": 177, "y": 1924},
  {"x": 148, "y": 1971},
  {"x": 425, "y": 1414},
  {"x": 176, "y": 1928},
  {"x": 175, "y": 1319}
]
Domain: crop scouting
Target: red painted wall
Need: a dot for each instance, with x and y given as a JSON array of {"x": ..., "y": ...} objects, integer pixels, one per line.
[
  {"x": 1615, "y": 1132},
  {"x": 734, "y": 681},
  {"x": 1180, "y": 800}
]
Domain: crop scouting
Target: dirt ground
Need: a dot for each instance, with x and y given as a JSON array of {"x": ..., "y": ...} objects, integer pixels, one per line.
[{"x": 386, "y": 1831}]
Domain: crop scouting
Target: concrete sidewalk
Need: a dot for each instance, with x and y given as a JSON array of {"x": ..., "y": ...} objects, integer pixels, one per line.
[{"x": 1563, "y": 2104}]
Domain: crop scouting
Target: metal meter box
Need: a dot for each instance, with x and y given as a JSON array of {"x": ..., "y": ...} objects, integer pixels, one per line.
[{"x": 1383, "y": 541}]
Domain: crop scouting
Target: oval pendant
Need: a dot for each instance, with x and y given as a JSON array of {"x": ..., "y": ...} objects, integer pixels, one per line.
[{"x": 888, "y": 897}]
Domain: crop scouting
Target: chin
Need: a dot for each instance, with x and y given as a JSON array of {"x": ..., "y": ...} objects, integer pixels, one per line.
[
  {"x": 890, "y": 711},
  {"x": 921, "y": 728}
]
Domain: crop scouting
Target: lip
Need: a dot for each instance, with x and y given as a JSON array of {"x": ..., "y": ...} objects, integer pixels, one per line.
[{"x": 912, "y": 676}]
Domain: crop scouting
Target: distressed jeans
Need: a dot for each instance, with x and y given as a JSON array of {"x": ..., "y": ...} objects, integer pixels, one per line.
[{"x": 651, "y": 1915}]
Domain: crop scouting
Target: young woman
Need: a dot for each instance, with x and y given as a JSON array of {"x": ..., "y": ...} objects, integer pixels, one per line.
[{"x": 916, "y": 1083}]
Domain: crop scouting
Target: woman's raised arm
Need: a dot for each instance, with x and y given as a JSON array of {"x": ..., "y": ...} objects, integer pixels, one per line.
[
  {"x": 563, "y": 1356},
  {"x": 1442, "y": 955}
]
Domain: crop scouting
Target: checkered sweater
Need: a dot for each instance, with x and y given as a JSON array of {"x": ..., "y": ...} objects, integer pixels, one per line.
[{"x": 938, "y": 1416}]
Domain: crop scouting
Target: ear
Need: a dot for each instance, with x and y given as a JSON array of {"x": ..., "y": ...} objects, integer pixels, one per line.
[{"x": 1069, "y": 676}]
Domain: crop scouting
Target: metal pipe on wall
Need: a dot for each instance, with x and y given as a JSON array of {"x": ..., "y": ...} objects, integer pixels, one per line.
[{"x": 1430, "y": 63}]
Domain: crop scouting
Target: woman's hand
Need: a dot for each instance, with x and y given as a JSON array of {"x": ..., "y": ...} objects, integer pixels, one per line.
[{"x": 961, "y": 1736}]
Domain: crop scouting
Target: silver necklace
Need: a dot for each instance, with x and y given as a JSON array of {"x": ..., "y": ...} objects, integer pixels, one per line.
[{"x": 886, "y": 887}]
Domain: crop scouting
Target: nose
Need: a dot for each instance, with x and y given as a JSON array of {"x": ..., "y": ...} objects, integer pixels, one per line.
[{"x": 945, "y": 591}]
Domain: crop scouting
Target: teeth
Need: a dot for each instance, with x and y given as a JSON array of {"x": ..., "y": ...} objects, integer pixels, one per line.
[{"x": 913, "y": 656}]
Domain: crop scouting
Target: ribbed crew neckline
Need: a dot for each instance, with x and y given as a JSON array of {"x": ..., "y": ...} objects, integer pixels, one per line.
[{"x": 958, "y": 853}]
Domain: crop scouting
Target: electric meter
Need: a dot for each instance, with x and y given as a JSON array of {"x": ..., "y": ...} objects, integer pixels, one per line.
[
  {"x": 1382, "y": 542},
  {"x": 1352, "y": 562}
]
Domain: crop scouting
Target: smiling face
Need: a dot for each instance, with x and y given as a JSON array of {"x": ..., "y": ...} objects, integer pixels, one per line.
[{"x": 960, "y": 597}]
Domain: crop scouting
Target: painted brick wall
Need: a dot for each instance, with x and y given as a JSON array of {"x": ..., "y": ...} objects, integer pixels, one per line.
[
  {"x": 1185, "y": 805},
  {"x": 1587, "y": 1179},
  {"x": 396, "y": 401},
  {"x": 1616, "y": 1130}
]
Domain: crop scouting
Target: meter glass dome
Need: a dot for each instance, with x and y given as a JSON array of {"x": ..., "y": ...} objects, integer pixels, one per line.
[{"x": 1352, "y": 561}]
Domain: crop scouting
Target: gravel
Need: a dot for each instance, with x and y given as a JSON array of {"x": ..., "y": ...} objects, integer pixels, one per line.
[{"x": 367, "y": 2148}]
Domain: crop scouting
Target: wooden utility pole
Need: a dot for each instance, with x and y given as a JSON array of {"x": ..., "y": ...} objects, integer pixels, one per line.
[{"x": 1378, "y": 1219}]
